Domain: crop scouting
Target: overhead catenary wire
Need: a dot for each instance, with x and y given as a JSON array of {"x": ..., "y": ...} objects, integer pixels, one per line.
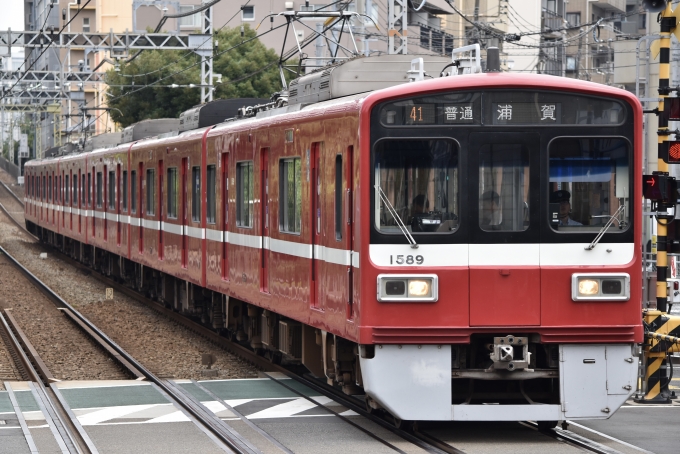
[{"x": 44, "y": 50}]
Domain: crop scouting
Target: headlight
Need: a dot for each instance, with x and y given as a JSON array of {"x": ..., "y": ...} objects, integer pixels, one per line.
[
  {"x": 588, "y": 287},
  {"x": 407, "y": 287},
  {"x": 600, "y": 287},
  {"x": 418, "y": 287}
]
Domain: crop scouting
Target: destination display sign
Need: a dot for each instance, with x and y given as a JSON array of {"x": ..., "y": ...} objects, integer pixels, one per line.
[{"x": 527, "y": 113}]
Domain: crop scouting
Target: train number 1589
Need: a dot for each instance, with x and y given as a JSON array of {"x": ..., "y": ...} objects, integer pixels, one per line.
[{"x": 406, "y": 259}]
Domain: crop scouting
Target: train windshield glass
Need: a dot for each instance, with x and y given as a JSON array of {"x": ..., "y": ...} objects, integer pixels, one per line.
[
  {"x": 589, "y": 184},
  {"x": 419, "y": 180}
]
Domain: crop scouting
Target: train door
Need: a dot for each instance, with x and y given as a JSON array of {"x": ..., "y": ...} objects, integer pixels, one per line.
[
  {"x": 161, "y": 252},
  {"x": 81, "y": 200},
  {"x": 264, "y": 218},
  {"x": 183, "y": 217},
  {"x": 315, "y": 220},
  {"x": 140, "y": 204},
  {"x": 119, "y": 196},
  {"x": 225, "y": 215},
  {"x": 504, "y": 249},
  {"x": 343, "y": 215}
]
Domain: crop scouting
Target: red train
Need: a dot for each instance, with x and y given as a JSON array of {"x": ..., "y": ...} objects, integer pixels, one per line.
[{"x": 457, "y": 249}]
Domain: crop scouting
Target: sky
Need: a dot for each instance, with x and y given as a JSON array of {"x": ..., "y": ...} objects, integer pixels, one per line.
[{"x": 12, "y": 15}]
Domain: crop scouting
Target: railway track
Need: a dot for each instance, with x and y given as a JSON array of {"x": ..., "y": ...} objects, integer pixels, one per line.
[{"x": 214, "y": 425}]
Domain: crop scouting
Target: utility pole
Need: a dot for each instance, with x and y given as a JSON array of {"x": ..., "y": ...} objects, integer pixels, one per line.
[
  {"x": 397, "y": 13},
  {"x": 206, "y": 53}
]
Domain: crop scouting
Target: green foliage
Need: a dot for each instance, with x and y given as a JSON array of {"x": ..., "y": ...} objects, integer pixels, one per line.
[{"x": 238, "y": 64}]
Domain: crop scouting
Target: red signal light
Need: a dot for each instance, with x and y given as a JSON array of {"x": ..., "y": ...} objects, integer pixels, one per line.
[
  {"x": 674, "y": 152},
  {"x": 674, "y": 109},
  {"x": 676, "y": 285}
]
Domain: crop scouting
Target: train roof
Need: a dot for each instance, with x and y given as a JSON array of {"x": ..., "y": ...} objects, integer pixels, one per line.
[{"x": 331, "y": 80}]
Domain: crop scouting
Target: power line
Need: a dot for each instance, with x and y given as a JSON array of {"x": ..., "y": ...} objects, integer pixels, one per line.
[{"x": 44, "y": 50}]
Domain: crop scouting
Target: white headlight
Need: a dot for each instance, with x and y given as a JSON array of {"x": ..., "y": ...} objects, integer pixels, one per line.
[
  {"x": 418, "y": 287},
  {"x": 588, "y": 287}
]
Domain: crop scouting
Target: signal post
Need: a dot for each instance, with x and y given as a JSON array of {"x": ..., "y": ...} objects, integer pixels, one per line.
[{"x": 663, "y": 197}]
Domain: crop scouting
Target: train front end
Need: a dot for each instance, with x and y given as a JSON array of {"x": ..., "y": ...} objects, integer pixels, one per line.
[{"x": 500, "y": 258}]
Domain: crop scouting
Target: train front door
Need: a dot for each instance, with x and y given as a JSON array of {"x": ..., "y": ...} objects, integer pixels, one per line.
[{"x": 504, "y": 239}]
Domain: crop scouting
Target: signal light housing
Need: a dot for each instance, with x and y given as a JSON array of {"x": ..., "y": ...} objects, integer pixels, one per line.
[
  {"x": 673, "y": 108},
  {"x": 673, "y": 152},
  {"x": 660, "y": 189}
]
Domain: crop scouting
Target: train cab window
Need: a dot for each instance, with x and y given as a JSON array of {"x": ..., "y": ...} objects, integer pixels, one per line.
[
  {"x": 504, "y": 187},
  {"x": 99, "y": 190},
  {"x": 290, "y": 195},
  {"x": 112, "y": 190},
  {"x": 418, "y": 186},
  {"x": 210, "y": 198},
  {"x": 589, "y": 184},
  {"x": 125, "y": 191},
  {"x": 196, "y": 194},
  {"x": 172, "y": 192},
  {"x": 133, "y": 191},
  {"x": 150, "y": 192},
  {"x": 244, "y": 194}
]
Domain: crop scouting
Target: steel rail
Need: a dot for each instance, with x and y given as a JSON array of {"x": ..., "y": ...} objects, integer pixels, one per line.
[
  {"x": 210, "y": 422},
  {"x": 21, "y": 202},
  {"x": 73, "y": 436},
  {"x": 38, "y": 365},
  {"x": 572, "y": 438},
  {"x": 422, "y": 439},
  {"x": 259, "y": 361}
]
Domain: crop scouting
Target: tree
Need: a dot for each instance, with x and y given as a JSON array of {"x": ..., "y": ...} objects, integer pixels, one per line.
[{"x": 242, "y": 63}]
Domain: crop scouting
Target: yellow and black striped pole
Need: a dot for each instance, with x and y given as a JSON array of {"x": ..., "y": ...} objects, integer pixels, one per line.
[{"x": 655, "y": 358}]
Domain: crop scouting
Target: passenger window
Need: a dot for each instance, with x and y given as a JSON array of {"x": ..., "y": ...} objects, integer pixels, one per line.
[
  {"x": 212, "y": 187},
  {"x": 150, "y": 192},
  {"x": 66, "y": 189},
  {"x": 244, "y": 194},
  {"x": 172, "y": 192},
  {"x": 338, "y": 197},
  {"x": 75, "y": 189},
  {"x": 99, "y": 190},
  {"x": 125, "y": 191},
  {"x": 89, "y": 189},
  {"x": 133, "y": 191},
  {"x": 112, "y": 190},
  {"x": 196, "y": 194},
  {"x": 290, "y": 195},
  {"x": 589, "y": 184}
]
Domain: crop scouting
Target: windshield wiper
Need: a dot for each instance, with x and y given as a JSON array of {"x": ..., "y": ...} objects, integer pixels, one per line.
[
  {"x": 603, "y": 230},
  {"x": 396, "y": 217}
]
